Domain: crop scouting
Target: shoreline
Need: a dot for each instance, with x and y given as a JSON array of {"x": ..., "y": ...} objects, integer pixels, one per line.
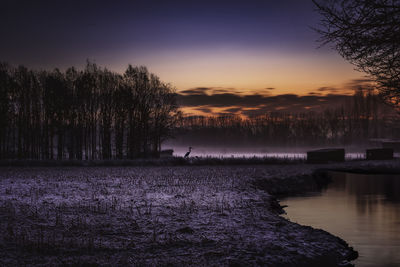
[
  {"x": 220, "y": 215},
  {"x": 315, "y": 181}
]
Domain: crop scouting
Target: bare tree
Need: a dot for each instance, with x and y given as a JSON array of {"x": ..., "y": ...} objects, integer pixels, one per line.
[
  {"x": 367, "y": 34},
  {"x": 88, "y": 114},
  {"x": 5, "y": 107}
]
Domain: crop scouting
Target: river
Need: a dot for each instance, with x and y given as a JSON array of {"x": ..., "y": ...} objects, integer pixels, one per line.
[{"x": 364, "y": 210}]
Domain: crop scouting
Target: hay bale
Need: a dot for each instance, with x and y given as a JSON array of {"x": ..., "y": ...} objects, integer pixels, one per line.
[
  {"x": 326, "y": 155},
  {"x": 379, "y": 153}
]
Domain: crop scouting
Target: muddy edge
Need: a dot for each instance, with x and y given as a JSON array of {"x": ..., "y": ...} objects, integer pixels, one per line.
[{"x": 300, "y": 184}]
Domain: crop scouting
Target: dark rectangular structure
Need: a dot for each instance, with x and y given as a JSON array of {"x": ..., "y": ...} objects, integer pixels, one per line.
[
  {"x": 395, "y": 145},
  {"x": 379, "y": 153},
  {"x": 168, "y": 153},
  {"x": 326, "y": 155}
]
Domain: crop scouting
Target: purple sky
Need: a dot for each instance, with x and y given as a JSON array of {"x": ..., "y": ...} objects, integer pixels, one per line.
[{"x": 240, "y": 46}]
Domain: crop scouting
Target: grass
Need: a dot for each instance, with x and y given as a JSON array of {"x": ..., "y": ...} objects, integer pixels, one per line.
[
  {"x": 173, "y": 161},
  {"x": 168, "y": 215}
]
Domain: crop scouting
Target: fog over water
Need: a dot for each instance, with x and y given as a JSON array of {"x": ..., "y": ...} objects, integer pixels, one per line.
[{"x": 275, "y": 152}]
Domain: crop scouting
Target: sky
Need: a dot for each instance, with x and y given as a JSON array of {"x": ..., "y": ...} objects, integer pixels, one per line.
[{"x": 261, "y": 55}]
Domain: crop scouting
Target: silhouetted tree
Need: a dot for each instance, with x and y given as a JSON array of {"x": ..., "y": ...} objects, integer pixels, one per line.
[
  {"x": 362, "y": 118},
  {"x": 5, "y": 106},
  {"x": 367, "y": 34},
  {"x": 89, "y": 114}
]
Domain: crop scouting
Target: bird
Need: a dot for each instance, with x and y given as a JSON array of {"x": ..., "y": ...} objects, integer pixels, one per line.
[{"x": 188, "y": 153}]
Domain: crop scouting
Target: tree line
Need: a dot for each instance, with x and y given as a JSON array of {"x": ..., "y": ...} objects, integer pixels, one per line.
[
  {"x": 362, "y": 118},
  {"x": 92, "y": 113}
]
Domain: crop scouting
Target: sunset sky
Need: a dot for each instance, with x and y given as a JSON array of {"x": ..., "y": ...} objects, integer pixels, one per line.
[{"x": 261, "y": 55}]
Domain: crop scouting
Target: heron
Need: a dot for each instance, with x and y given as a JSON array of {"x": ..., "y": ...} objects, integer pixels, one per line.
[{"x": 188, "y": 153}]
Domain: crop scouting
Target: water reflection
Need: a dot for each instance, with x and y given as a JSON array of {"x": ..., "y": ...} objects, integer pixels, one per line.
[
  {"x": 386, "y": 186},
  {"x": 362, "y": 209}
]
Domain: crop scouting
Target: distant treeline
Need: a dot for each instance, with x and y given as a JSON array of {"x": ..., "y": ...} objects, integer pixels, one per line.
[
  {"x": 83, "y": 114},
  {"x": 356, "y": 122}
]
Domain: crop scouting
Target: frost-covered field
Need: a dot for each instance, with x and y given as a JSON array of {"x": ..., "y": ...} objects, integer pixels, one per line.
[{"x": 188, "y": 215}]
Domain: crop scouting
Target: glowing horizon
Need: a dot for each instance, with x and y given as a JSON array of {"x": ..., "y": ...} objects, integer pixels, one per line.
[
  {"x": 246, "y": 70},
  {"x": 243, "y": 48}
]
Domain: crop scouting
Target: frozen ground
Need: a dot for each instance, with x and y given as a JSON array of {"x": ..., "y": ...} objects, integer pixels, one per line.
[{"x": 147, "y": 216}]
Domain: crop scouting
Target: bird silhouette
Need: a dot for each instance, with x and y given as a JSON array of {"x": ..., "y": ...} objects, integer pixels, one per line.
[{"x": 188, "y": 153}]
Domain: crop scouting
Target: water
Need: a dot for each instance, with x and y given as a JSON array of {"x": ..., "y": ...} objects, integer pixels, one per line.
[{"x": 364, "y": 210}]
